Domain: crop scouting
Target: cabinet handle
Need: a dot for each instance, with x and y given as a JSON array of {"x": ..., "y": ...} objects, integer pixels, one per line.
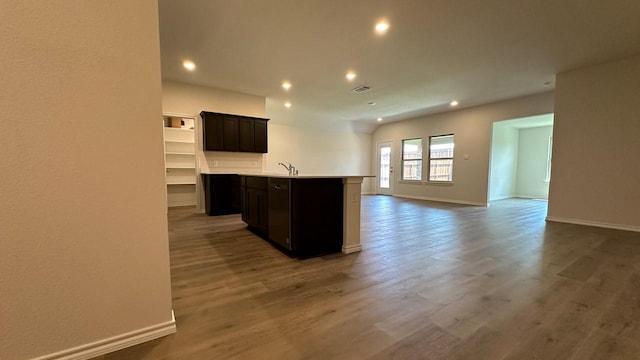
[{"x": 277, "y": 187}]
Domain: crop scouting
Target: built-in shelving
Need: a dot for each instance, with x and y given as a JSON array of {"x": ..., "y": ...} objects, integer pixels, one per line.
[{"x": 180, "y": 160}]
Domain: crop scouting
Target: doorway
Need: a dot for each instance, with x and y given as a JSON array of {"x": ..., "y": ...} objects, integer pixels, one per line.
[
  {"x": 384, "y": 185},
  {"x": 521, "y": 158}
]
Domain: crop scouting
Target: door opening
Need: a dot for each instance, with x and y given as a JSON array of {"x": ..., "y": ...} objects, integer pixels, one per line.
[{"x": 384, "y": 184}]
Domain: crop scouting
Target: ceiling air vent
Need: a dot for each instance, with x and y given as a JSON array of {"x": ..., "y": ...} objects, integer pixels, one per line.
[{"x": 361, "y": 88}]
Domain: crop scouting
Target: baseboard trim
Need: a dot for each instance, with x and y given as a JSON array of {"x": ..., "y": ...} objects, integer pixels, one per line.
[
  {"x": 462, "y": 202},
  {"x": 503, "y": 197},
  {"x": 351, "y": 248},
  {"x": 593, "y": 223},
  {"x": 533, "y": 197},
  {"x": 115, "y": 343}
]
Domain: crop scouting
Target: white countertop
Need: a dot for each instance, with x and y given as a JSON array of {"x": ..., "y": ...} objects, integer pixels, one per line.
[{"x": 284, "y": 175}]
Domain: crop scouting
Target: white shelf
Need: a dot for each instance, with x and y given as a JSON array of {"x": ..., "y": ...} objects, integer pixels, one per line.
[
  {"x": 180, "y": 161},
  {"x": 180, "y": 141},
  {"x": 179, "y": 153},
  {"x": 181, "y": 166}
]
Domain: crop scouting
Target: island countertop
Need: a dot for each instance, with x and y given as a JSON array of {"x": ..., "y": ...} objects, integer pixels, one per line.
[{"x": 285, "y": 176}]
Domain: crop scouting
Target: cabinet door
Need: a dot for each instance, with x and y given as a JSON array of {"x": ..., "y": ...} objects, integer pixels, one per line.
[
  {"x": 230, "y": 135},
  {"x": 252, "y": 206},
  {"x": 260, "y": 136},
  {"x": 222, "y": 194},
  {"x": 263, "y": 211},
  {"x": 243, "y": 198},
  {"x": 235, "y": 197},
  {"x": 246, "y": 135},
  {"x": 212, "y": 132}
]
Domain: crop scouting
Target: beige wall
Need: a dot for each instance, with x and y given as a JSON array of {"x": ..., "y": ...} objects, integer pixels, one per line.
[
  {"x": 472, "y": 129},
  {"x": 319, "y": 152},
  {"x": 191, "y": 100},
  {"x": 504, "y": 161},
  {"x": 185, "y": 99},
  {"x": 312, "y": 151},
  {"x": 595, "y": 172},
  {"x": 84, "y": 245},
  {"x": 533, "y": 151}
]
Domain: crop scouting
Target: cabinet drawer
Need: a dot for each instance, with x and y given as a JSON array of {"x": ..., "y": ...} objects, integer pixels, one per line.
[{"x": 256, "y": 182}]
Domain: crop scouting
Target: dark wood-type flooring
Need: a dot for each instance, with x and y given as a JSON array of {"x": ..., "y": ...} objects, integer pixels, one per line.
[{"x": 434, "y": 281}]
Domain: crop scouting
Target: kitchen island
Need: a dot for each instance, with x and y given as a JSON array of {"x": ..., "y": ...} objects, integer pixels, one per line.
[{"x": 305, "y": 215}]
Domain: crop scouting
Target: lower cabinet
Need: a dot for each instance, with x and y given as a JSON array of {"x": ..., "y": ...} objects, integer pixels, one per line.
[
  {"x": 302, "y": 216},
  {"x": 255, "y": 203},
  {"x": 316, "y": 216},
  {"x": 222, "y": 194}
]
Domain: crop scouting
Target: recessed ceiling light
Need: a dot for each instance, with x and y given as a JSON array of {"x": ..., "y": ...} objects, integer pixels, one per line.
[
  {"x": 286, "y": 85},
  {"x": 382, "y": 27},
  {"x": 453, "y": 103},
  {"x": 287, "y": 104},
  {"x": 189, "y": 65},
  {"x": 350, "y": 75},
  {"x": 379, "y": 119}
]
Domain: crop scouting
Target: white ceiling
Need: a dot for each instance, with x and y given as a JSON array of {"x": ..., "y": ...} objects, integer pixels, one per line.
[{"x": 472, "y": 51}]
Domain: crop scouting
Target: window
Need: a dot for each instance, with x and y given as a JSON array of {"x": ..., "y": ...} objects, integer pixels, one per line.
[
  {"x": 412, "y": 159},
  {"x": 441, "y": 158}
]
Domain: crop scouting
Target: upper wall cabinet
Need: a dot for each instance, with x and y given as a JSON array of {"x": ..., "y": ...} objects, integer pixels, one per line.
[{"x": 224, "y": 132}]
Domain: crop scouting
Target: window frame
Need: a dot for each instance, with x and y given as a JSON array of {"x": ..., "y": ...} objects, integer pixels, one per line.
[
  {"x": 402, "y": 162},
  {"x": 440, "y": 158}
]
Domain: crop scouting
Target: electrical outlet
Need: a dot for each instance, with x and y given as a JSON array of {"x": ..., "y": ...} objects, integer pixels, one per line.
[{"x": 215, "y": 163}]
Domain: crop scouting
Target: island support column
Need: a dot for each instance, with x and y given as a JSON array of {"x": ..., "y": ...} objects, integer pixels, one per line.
[{"x": 351, "y": 211}]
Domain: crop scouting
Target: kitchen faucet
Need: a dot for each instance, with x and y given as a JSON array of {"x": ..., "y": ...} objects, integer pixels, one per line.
[{"x": 292, "y": 170}]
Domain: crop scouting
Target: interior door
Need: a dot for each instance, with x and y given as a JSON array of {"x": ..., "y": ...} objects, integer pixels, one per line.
[{"x": 384, "y": 185}]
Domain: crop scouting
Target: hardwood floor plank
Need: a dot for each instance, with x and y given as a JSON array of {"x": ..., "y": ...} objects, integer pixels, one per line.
[
  {"x": 622, "y": 318},
  {"x": 581, "y": 269},
  {"x": 484, "y": 344},
  {"x": 430, "y": 342},
  {"x": 434, "y": 281},
  {"x": 602, "y": 345}
]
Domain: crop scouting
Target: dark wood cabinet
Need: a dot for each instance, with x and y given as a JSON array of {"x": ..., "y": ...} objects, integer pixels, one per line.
[
  {"x": 225, "y": 132},
  {"x": 247, "y": 137},
  {"x": 222, "y": 194},
  {"x": 255, "y": 203},
  {"x": 230, "y": 137},
  {"x": 302, "y": 216},
  {"x": 260, "y": 135},
  {"x": 213, "y": 132},
  {"x": 316, "y": 216}
]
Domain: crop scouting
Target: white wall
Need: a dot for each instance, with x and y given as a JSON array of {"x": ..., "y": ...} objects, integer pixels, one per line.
[
  {"x": 311, "y": 150},
  {"x": 187, "y": 99},
  {"x": 472, "y": 128},
  {"x": 315, "y": 152},
  {"x": 595, "y": 173},
  {"x": 84, "y": 246},
  {"x": 504, "y": 162},
  {"x": 533, "y": 145}
]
